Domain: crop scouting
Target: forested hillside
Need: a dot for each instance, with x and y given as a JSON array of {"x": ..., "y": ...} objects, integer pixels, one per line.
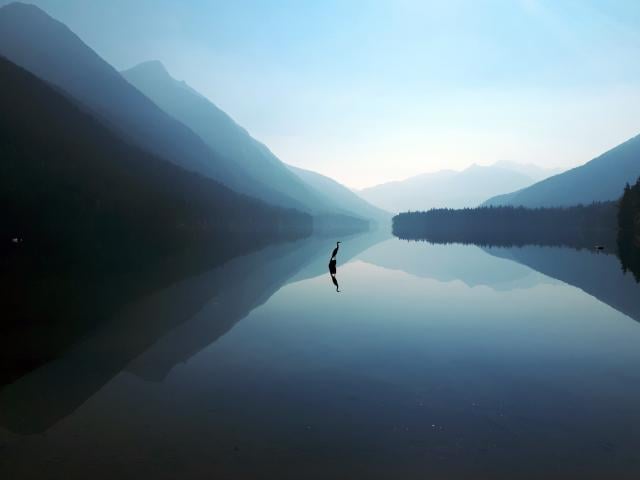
[{"x": 67, "y": 180}]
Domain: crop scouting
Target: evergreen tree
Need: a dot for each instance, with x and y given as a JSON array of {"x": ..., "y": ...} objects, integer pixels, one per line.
[{"x": 625, "y": 211}]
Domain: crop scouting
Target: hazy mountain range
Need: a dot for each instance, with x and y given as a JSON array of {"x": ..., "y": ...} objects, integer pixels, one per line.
[
  {"x": 52, "y": 52},
  {"x": 68, "y": 183},
  {"x": 162, "y": 116},
  {"x": 453, "y": 189},
  {"x": 311, "y": 191},
  {"x": 601, "y": 179},
  {"x": 342, "y": 196},
  {"x": 143, "y": 127}
]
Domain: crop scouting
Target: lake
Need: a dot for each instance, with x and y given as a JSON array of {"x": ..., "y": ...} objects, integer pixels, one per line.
[{"x": 433, "y": 361}]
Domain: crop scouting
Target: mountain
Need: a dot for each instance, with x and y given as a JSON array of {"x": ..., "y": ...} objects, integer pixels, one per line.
[
  {"x": 52, "y": 52},
  {"x": 314, "y": 192},
  {"x": 67, "y": 182},
  {"x": 341, "y": 195},
  {"x": 220, "y": 132},
  {"x": 601, "y": 179},
  {"x": 446, "y": 188}
]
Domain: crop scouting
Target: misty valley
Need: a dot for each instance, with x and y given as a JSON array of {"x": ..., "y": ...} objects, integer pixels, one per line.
[{"x": 403, "y": 243}]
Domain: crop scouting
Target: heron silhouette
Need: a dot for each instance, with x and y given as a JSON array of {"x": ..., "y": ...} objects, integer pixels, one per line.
[
  {"x": 332, "y": 266},
  {"x": 335, "y": 250}
]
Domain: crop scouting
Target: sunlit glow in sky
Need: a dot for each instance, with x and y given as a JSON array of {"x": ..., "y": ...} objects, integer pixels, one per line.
[{"x": 371, "y": 91}]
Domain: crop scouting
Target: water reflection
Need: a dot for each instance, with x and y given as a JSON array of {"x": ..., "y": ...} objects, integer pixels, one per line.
[
  {"x": 332, "y": 272},
  {"x": 51, "y": 300},
  {"x": 257, "y": 277},
  {"x": 156, "y": 331},
  {"x": 596, "y": 273},
  {"x": 443, "y": 361},
  {"x": 453, "y": 262}
]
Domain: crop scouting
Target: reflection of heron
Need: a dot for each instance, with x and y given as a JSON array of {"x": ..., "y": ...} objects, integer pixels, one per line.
[
  {"x": 332, "y": 272},
  {"x": 332, "y": 266},
  {"x": 335, "y": 250}
]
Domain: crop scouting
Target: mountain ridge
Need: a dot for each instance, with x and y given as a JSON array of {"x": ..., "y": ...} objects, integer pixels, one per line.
[
  {"x": 598, "y": 180},
  {"x": 225, "y": 136},
  {"x": 50, "y": 50},
  {"x": 445, "y": 188},
  {"x": 68, "y": 182}
]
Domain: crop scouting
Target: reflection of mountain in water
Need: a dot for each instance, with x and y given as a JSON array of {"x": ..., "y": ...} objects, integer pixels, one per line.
[
  {"x": 447, "y": 263},
  {"x": 599, "y": 275},
  {"x": 258, "y": 277},
  {"x": 568, "y": 256},
  {"x": 162, "y": 329},
  {"x": 103, "y": 319},
  {"x": 349, "y": 248},
  {"x": 52, "y": 299}
]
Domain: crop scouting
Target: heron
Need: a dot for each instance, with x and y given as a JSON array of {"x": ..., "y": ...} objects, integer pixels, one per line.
[{"x": 335, "y": 250}]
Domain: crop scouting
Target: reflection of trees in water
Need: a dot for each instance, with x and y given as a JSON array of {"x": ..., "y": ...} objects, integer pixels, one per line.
[
  {"x": 574, "y": 239},
  {"x": 629, "y": 254},
  {"x": 629, "y": 229},
  {"x": 582, "y": 227}
]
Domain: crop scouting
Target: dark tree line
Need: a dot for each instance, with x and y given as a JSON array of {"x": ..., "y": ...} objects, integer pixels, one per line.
[
  {"x": 629, "y": 211},
  {"x": 629, "y": 229},
  {"x": 578, "y": 226},
  {"x": 615, "y": 226}
]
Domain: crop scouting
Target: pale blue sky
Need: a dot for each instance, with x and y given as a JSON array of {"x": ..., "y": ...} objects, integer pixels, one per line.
[{"x": 369, "y": 91}]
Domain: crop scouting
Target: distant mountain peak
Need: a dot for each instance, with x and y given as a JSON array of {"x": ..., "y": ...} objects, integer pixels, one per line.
[
  {"x": 18, "y": 13},
  {"x": 446, "y": 188},
  {"x": 20, "y": 6},
  {"x": 600, "y": 179},
  {"x": 301, "y": 189},
  {"x": 152, "y": 67}
]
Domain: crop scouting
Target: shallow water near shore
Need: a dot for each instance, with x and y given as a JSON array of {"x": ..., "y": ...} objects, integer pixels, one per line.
[{"x": 433, "y": 361}]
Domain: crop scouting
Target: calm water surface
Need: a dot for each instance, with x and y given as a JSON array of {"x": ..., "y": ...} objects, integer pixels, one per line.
[{"x": 434, "y": 361}]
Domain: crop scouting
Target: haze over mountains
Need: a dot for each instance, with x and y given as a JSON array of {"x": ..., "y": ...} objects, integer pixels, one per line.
[
  {"x": 68, "y": 183},
  {"x": 452, "y": 189},
  {"x": 150, "y": 114},
  {"x": 601, "y": 179},
  {"x": 219, "y": 132},
  {"x": 224, "y": 152},
  {"x": 52, "y": 52},
  {"x": 340, "y": 195},
  {"x": 224, "y": 136}
]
